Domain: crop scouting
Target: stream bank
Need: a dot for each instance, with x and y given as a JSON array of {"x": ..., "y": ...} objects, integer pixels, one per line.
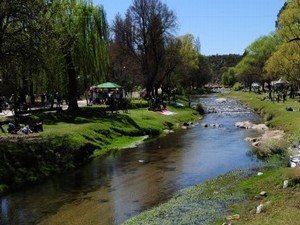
[{"x": 71, "y": 140}]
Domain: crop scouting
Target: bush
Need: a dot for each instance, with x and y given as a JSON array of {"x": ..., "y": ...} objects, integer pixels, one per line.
[
  {"x": 200, "y": 109},
  {"x": 237, "y": 86}
]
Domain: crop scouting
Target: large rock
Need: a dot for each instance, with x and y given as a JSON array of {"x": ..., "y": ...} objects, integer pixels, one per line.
[
  {"x": 276, "y": 135},
  {"x": 244, "y": 124},
  {"x": 249, "y": 125},
  {"x": 221, "y": 100}
]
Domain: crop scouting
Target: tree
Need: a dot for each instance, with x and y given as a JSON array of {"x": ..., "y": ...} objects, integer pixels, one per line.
[
  {"x": 220, "y": 63},
  {"x": 189, "y": 63},
  {"x": 229, "y": 77},
  {"x": 22, "y": 28},
  {"x": 288, "y": 23},
  {"x": 251, "y": 67},
  {"x": 82, "y": 32},
  {"x": 285, "y": 62},
  {"x": 145, "y": 32},
  {"x": 124, "y": 67}
]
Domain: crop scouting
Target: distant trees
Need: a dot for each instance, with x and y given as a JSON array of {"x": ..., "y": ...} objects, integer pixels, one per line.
[
  {"x": 220, "y": 64},
  {"x": 252, "y": 66},
  {"x": 286, "y": 60},
  {"x": 276, "y": 55},
  {"x": 229, "y": 77}
]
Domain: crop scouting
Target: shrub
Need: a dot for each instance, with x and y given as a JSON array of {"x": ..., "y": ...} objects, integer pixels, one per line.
[
  {"x": 200, "y": 109},
  {"x": 237, "y": 86}
]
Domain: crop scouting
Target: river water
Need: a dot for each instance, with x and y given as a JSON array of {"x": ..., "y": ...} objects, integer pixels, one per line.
[{"x": 110, "y": 190}]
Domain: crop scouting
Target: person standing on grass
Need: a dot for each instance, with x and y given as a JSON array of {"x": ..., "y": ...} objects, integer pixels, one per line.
[{"x": 28, "y": 102}]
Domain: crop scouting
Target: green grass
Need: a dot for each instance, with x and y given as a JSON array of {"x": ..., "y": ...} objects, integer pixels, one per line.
[
  {"x": 283, "y": 207},
  {"x": 115, "y": 130}
]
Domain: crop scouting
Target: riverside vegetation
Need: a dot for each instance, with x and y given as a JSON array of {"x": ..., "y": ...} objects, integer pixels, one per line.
[
  {"x": 233, "y": 198},
  {"x": 70, "y": 140}
]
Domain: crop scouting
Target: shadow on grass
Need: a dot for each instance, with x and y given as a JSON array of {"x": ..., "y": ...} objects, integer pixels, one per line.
[{"x": 84, "y": 115}]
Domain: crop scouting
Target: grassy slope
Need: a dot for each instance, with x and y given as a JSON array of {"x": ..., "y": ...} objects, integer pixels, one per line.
[
  {"x": 233, "y": 194},
  {"x": 71, "y": 139},
  {"x": 114, "y": 131}
]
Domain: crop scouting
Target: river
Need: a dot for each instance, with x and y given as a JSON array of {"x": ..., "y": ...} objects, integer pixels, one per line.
[{"x": 110, "y": 190}]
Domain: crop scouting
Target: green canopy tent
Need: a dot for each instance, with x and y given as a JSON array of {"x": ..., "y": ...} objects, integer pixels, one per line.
[{"x": 108, "y": 85}]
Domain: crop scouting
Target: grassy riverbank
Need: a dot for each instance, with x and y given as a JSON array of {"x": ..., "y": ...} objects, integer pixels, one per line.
[
  {"x": 72, "y": 139},
  {"x": 234, "y": 197}
]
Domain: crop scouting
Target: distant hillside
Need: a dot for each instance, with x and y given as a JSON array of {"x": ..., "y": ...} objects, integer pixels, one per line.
[{"x": 220, "y": 63}]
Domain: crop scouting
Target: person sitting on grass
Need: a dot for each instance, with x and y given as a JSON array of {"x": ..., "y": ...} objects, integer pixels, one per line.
[
  {"x": 35, "y": 126},
  {"x": 26, "y": 130},
  {"x": 12, "y": 128}
]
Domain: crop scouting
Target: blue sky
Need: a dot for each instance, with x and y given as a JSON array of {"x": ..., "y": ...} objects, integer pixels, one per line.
[{"x": 223, "y": 26}]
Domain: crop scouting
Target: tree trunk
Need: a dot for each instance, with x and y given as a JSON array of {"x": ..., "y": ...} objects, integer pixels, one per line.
[{"x": 73, "y": 105}]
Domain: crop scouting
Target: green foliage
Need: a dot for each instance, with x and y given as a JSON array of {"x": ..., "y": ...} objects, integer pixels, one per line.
[
  {"x": 251, "y": 68},
  {"x": 189, "y": 52},
  {"x": 288, "y": 22},
  {"x": 38, "y": 46},
  {"x": 228, "y": 77},
  {"x": 284, "y": 62},
  {"x": 237, "y": 86},
  {"x": 22, "y": 38}
]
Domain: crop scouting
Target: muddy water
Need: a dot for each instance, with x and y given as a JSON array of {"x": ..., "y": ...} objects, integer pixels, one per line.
[{"x": 109, "y": 191}]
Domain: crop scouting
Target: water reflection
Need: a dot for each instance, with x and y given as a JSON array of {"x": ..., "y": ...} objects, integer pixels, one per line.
[{"x": 110, "y": 190}]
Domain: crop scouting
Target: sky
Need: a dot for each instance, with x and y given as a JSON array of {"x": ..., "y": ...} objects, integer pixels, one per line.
[{"x": 222, "y": 26}]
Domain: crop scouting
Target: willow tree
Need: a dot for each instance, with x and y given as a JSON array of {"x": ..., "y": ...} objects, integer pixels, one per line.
[{"x": 81, "y": 29}]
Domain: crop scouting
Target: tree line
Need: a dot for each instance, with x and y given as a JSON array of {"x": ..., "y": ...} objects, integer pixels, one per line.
[
  {"x": 66, "y": 46},
  {"x": 272, "y": 56}
]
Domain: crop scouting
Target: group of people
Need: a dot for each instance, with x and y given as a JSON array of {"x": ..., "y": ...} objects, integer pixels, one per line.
[
  {"x": 113, "y": 98},
  {"x": 24, "y": 102},
  {"x": 50, "y": 99},
  {"x": 31, "y": 127}
]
